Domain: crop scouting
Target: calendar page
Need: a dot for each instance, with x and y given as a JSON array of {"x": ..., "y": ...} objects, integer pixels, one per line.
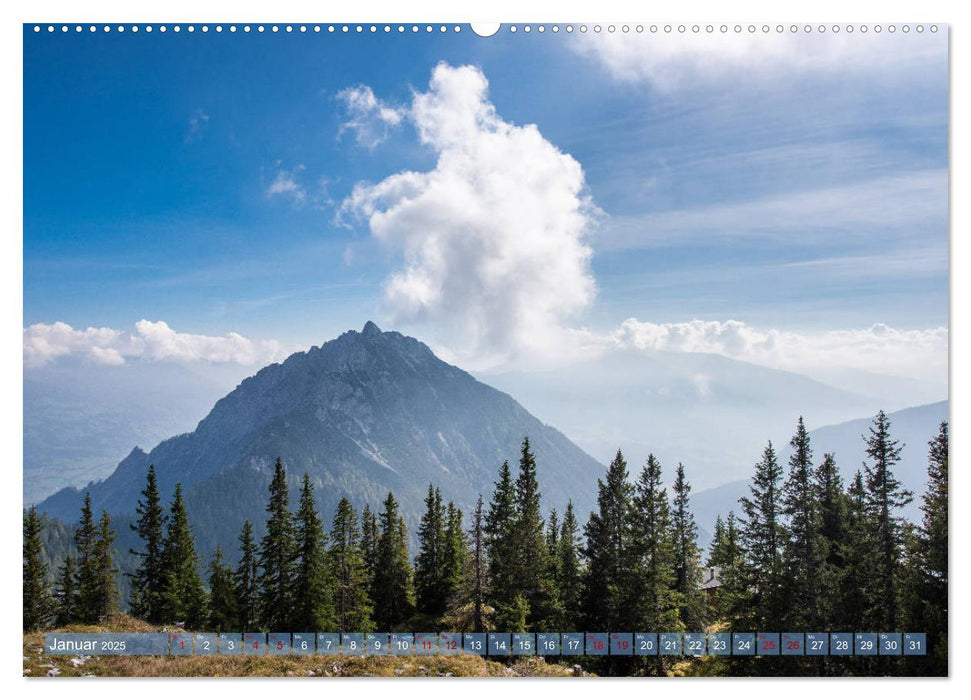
[{"x": 552, "y": 349}]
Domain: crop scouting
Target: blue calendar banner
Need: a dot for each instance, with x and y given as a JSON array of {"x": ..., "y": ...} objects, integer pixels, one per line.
[
  {"x": 500, "y": 644},
  {"x": 328, "y": 643},
  {"x": 865, "y": 643},
  {"x": 426, "y": 643},
  {"x": 571, "y": 644},
  {"x": 720, "y": 644},
  {"x": 474, "y": 643},
  {"x": 230, "y": 643},
  {"x": 817, "y": 643},
  {"x": 377, "y": 643},
  {"x": 449, "y": 643},
  {"x": 548, "y": 643},
  {"x": 402, "y": 643},
  {"x": 891, "y": 644},
  {"x": 670, "y": 643},
  {"x": 206, "y": 643},
  {"x": 107, "y": 643},
  {"x": 597, "y": 644},
  {"x": 180, "y": 644},
  {"x": 694, "y": 643},
  {"x": 841, "y": 644},
  {"x": 621, "y": 644},
  {"x": 303, "y": 643},
  {"x": 278, "y": 643},
  {"x": 352, "y": 644},
  {"x": 793, "y": 643},
  {"x": 645, "y": 643},
  {"x": 767, "y": 644},
  {"x": 915, "y": 644},
  {"x": 524, "y": 644},
  {"x": 743, "y": 644}
]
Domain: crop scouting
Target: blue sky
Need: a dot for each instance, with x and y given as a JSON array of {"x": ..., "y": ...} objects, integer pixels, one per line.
[{"x": 798, "y": 190}]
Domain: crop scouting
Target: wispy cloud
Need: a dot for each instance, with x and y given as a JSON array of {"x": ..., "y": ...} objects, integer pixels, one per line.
[
  {"x": 285, "y": 184},
  {"x": 909, "y": 204},
  {"x": 368, "y": 118},
  {"x": 152, "y": 341},
  {"x": 198, "y": 125}
]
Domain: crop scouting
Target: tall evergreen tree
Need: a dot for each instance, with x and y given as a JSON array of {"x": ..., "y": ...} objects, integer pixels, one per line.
[
  {"x": 245, "y": 581},
  {"x": 884, "y": 497},
  {"x": 568, "y": 568},
  {"x": 927, "y": 579},
  {"x": 38, "y": 604},
  {"x": 277, "y": 556},
  {"x": 761, "y": 535},
  {"x": 313, "y": 605},
  {"x": 183, "y": 595},
  {"x": 104, "y": 599},
  {"x": 804, "y": 552},
  {"x": 533, "y": 563},
  {"x": 478, "y": 573},
  {"x": 431, "y": 588},
  {"x": 608, "y": 552},
  {"x": 553, "y": 534},
  {"x": 370, "y": 534},
  {"x": 717, "y": 540},
  {"x": 856, "y": 556},
  {"x": 352, "y": 604},
  {"x": 502, "y": 549},
  {"x": 86, "y": 587},
  {"x": 148, "y": 580},
  {"x": 654, "y": 600},
  {"x": 832, "y": 533},
  {"x": 66, "y": 594},
  {"x": 393, "y": 591},
  {"x": 455, "y": 561},
  {"x": 726, "y": 554},
  {"x": 687, "y": 555},
  {"x": 223, "y": 610}
]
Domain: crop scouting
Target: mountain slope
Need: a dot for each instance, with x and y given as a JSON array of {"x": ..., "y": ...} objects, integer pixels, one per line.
[{"x": 363, "y": 414}]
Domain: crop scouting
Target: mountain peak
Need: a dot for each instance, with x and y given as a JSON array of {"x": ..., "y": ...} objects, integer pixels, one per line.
[{"x": 370, "y": 328}]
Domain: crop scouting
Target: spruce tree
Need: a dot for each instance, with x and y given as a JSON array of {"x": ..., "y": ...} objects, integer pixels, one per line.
[
  {"x": 502, "y": 548},
  {"x": 104, "y": 600},
  {"x": 66, "y": 594},
  {"x": 223, "y": 610},
  {"x": 857, "y": 557},
  {"x": 568, "y": 568},
  {"x": 884, "y": 497},
  {"x": 313, "y": 606},
  {"x": 38, "y": 604},
  {"x": 533, "y": 565},
  {"x": 183, "y": 595},
  {"x": 653, "y": 577},
  {"x": 85, "y": 538},
  {"x": 352, "y": 604},
  {"x": 927, "y": 564},
  {"x": 245, "y": 581},
  {"x": 277, "y": 556},
  {"x": 149, "y": 577},
  {"x": 717, "y": 540},
  {"x": 608, "y": 552},
  {"x": 832, "y": 533},
  {"x": 553, "y": 535},
  {"x": 761, "y": 536},
  {"x": 393, "y": 592},
  {"x": 804, "y": 552},
  {"x": 370, "y": 534},
  {"x": 478, "y": 569},
  {"x": 431, "y": 588},
  {"x": 687, "y": 555},
  {"x": 456, "y": 555},
  {"x": 727, "y": 554}
]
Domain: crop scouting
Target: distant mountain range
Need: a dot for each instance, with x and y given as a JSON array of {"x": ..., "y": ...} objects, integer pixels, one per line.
[{"x": 364, "y": 414}]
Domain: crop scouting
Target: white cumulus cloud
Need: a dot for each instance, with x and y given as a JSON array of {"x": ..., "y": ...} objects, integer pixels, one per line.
[
  {"x": 285, "y": 184},
  {"x": 153, "y": 341},
  {"x": 918, "y": 353},
  {"x": 492, "y": 239}
]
